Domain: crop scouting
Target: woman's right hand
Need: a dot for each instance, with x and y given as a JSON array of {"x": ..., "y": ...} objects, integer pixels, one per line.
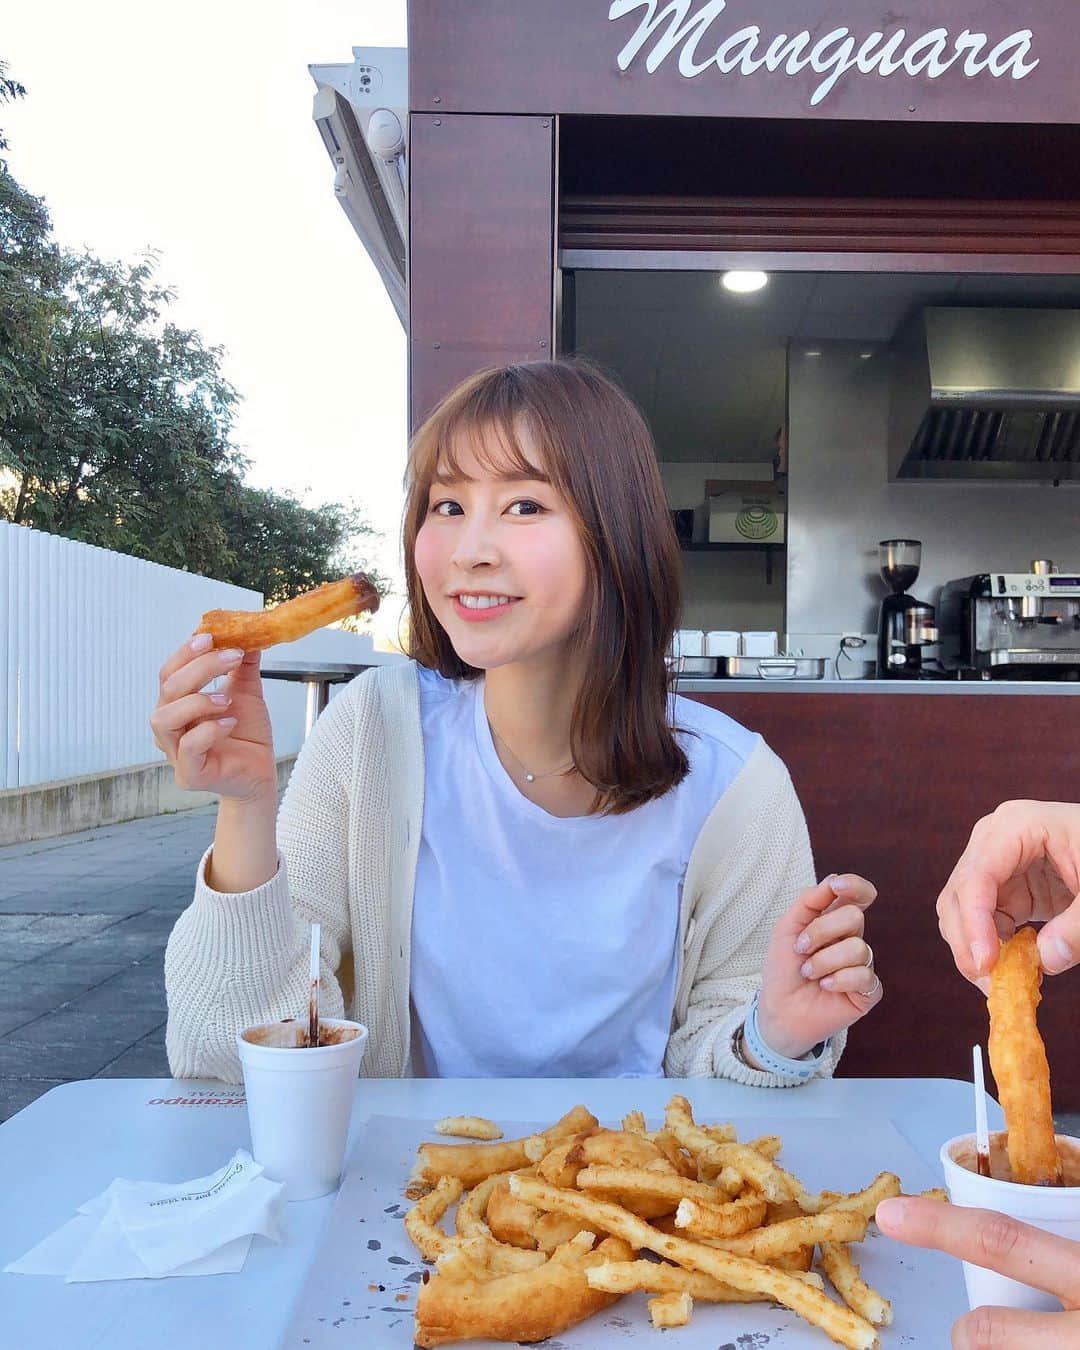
[{"x": 221, "y": 741}]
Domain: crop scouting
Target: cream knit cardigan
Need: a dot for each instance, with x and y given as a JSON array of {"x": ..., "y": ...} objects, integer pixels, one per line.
[{"x": 349, "y": 832}]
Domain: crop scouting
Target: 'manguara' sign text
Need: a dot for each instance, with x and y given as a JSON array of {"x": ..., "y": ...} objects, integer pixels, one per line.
[{"x": 838, "y": 53}]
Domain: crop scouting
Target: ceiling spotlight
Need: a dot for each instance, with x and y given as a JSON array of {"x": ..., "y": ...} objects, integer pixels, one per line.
[
  {"x": 812, "y": 351},
  {"x": 742, "y": 283}
]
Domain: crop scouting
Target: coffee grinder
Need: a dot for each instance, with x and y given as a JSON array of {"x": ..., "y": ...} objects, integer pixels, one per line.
[{"x": 905, "y": 625}]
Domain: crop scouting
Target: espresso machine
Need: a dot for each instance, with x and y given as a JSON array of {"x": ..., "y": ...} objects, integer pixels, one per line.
[
  {"x": 1013, "y": 625},
  {"x": 905, "y": 625}
]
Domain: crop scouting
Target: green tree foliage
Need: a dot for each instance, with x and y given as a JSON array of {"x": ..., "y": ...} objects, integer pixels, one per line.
[
  {"x": 115, "y": 424},
  {"x": 9, "y": 89}
]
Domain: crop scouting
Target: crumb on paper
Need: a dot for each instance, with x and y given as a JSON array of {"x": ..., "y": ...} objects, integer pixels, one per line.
[{"x": 468, "y": 1127}]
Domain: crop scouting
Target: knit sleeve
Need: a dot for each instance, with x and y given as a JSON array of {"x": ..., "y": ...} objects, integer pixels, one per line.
[
  {"x": 236, "y": 960},
  {"x": 738, "y": 899}
]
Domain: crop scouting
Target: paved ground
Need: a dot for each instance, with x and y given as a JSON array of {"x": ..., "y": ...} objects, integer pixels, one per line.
[{"x": 83, "y": 924}]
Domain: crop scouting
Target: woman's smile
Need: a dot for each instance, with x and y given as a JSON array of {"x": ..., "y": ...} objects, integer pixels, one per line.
[{"x": 482, "y": 606}]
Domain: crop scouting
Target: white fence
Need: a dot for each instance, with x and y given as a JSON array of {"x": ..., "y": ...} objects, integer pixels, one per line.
[{"x": 83, "y": 633}]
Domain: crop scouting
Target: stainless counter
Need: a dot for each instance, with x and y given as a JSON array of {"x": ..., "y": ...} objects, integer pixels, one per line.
[{"x": 1031, "y": 688}]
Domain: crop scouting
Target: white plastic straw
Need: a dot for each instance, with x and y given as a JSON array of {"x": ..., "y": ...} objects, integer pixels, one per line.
[
  {"x": 982, "y": 1132},
  {"x": 313, "y": 975}
]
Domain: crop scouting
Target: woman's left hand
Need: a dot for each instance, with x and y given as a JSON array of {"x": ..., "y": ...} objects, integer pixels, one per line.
[{"x": 819, "y": 972}]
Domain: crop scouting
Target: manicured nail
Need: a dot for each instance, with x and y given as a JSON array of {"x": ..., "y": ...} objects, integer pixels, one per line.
[
  {"x": 1055, "y": 953},
  {"x": 202, "y": 641},
  {"x": 802, "y": 943},
  {"x": 828, "y": 982},
  {"x": 806, "y": 969},
  {"x": 892, "y": 1212},
  {"x": 231, "y": 656},
  {"x": 227, "y": 721},
  {"x": 222, "y": 700},
  {"x": 840, "y": 883},
  {"x": 980, "y": 956}
]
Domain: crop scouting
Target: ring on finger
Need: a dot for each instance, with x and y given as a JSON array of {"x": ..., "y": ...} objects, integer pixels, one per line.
[
  {"x": 869, "y": 955},
  {"x": 874, "y": 989}
]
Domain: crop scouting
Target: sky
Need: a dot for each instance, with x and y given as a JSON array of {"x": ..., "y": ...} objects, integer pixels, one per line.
[{"x": 187, "y": 129}]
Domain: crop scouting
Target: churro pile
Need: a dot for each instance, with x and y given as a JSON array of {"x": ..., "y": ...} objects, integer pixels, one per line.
[{"x": 554, "y": 1227}]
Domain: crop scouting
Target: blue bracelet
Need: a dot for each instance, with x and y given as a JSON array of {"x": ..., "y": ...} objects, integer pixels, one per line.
[{"x": 800, "y": 1070}]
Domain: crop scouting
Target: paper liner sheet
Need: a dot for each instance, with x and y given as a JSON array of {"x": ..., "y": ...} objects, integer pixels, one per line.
[{"x": 361, "y": 1289}]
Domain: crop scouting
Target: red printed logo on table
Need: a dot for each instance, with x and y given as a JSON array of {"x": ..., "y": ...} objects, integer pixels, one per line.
[{"x": 203, "y": 1097}]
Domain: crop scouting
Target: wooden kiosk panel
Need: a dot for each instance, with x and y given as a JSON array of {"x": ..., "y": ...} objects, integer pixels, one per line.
[
  {"x": 481, "y": 247},
  {"x": 983, "y": 61},
  {"x": 891, "y": 786}
]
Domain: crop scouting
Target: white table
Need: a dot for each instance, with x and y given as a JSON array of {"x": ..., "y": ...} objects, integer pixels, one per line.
[{"x": 68, "y": 1145}]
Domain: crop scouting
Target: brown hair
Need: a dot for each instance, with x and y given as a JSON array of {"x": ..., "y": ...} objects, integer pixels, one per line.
[{"x": 599, "y": 455}]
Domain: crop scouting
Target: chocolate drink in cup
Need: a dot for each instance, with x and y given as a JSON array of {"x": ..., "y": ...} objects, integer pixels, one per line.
[
  {"x": 288, "y": 1034},
  {"x": 1068, "y": 1150}
]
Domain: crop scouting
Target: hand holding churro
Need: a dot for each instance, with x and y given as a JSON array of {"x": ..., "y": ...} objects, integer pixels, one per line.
[
  {"x": 1021, "y": 864},
  {"x": 218, "y": 740}
]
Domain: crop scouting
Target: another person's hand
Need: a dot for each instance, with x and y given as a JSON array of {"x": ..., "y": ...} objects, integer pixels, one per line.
[
  {"x": 818, "y": 976},
  {"x": 1014, "y": 1249},
  {"x": 220, "y": 741},
  {"x": 1022, "y": 862}
]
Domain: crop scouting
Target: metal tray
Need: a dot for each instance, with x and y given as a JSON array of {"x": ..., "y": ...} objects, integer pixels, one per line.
[
  {"x": 775, "y": 667},
  {"x": 697, "y": 666}
]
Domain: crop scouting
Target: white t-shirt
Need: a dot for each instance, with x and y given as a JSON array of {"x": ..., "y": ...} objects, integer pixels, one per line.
[{"x": 545, "y": 947}]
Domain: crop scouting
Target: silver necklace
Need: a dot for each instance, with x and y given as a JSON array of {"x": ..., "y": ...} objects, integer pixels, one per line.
[{"x": 529, "y": 777}]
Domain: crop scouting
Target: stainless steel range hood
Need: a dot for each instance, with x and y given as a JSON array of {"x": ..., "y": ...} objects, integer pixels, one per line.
[{"x": 986, "y": 394}]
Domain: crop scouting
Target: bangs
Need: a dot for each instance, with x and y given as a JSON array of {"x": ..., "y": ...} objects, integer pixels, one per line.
[
  {"x": 490, "y": 428},
  {"x": 494, "y": 449}
]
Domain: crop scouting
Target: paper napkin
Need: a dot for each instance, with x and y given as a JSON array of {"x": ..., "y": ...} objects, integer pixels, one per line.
[{"x": 148, "y": 1229}]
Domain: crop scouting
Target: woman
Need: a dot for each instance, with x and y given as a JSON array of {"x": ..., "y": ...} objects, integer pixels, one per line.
[{"x": 527, "y": 858}]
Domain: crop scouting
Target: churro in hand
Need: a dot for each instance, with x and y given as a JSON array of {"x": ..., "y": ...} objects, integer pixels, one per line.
[{"x": 255, "y": 630}]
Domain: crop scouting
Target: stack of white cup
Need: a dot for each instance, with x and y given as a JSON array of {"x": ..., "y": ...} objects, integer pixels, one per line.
[
  {"x": 758, "y": 644},
  {"x": 722, "y": 642}
]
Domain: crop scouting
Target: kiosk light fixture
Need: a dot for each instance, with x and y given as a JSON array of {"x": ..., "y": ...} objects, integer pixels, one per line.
[{"x": 743, "y": 283}]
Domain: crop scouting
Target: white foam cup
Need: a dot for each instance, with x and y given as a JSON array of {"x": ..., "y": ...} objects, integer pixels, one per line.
[
  {"x": 1055, "y": 1209},
  {"x": 299, "y": 1101}
]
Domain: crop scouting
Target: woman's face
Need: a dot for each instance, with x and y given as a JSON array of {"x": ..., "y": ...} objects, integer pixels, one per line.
[{"x": 501, "y": 564}]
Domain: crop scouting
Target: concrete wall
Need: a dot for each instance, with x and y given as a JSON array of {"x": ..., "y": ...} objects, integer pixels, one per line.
[{"x": 69, "y": 805}]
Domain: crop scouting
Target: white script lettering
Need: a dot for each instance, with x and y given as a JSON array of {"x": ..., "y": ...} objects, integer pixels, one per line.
[{"x": 833, "y": 55}]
